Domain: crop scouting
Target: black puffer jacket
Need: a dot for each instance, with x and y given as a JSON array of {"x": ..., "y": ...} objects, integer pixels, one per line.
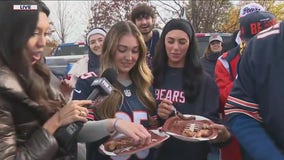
[
  {"x": 21, "y": 134},
  {"x": 208, "y": 63}
]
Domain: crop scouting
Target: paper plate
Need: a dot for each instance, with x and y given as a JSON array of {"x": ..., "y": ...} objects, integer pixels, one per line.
[
  {"x": 175, "y": 126},
  {"x": 157, "y": 138}
]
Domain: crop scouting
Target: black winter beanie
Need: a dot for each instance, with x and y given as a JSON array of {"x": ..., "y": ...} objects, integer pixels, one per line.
[{"x": 180, "y": 24}]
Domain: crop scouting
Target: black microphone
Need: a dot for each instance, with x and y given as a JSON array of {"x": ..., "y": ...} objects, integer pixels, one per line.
[
  {"x": 103, "y": 85},
  {"x": 67, "y": 135}
]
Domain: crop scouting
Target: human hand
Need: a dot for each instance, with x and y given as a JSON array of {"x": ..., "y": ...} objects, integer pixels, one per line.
[
  {"x": 223, "y": 133},
  {"x": 66, "y": 83},
  {"x": 137, "y": 132},
  {"x": 66, "y": 88},
  {"x": 74, "y": 111},
  {"x": 165, "y": 108},
  {"x": 71, "y": 112}
]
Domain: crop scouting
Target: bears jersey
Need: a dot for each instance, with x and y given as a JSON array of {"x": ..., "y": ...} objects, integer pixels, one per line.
[
  {"x": 130, "y": 110},
  {"x": 206, "y": 104}
]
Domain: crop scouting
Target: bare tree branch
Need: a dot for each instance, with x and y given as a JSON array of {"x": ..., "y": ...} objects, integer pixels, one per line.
[{"x": 63, "y": 26}]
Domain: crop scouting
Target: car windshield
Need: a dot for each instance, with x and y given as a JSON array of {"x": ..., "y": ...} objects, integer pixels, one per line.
[{"x": 66, "y": 50}]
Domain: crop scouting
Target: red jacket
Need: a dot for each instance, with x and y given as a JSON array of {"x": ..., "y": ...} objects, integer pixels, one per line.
[{"x": 225, "y": 73}]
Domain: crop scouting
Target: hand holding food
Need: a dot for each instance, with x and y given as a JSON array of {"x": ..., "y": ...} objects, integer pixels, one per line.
[
  {"x": 137, "y": 132},
  {"x": 124, "y": 145},
  {"x": 165, "y": 108},
  {"x": 223, "y": 133}
]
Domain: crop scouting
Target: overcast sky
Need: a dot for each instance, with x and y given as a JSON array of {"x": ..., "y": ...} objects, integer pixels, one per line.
[
  {"x": 79, "y": 15},
  {"x": 78, "y": 19}
]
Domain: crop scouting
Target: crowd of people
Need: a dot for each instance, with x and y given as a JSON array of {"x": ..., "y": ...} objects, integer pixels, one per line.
[{"x": 156, "y": 73}]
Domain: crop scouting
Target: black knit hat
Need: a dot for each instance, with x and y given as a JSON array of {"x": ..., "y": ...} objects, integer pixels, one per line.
[
  {"x": 180, "y": 24},
  {"x": 253, "y": 23}
]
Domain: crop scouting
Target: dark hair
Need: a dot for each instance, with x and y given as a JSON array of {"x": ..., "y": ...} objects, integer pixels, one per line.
[
  {"x": 42, "y": 7},
  {"x": 192, "y": 70},
  {"x": 17, "y": 26},
  {"x": 142, "y": 9},
  {"x": 232, "y": 42}
]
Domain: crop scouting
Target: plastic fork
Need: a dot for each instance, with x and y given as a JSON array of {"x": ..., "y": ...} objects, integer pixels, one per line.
[{"x": 177, "y": 113}]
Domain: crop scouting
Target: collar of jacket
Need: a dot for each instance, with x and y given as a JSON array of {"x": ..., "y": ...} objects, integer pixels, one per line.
[{"x": 11, "y": 90}]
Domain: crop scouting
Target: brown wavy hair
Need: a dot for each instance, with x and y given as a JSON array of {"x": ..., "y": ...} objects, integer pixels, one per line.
[
  {"x": 142, "y": 9},
  {"x": 140, "y": 74}
]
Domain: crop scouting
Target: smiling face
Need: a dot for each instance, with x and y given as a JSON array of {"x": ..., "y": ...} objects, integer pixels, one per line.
[
  {"x": 216, "y": 46},
  {"x": 176, "y": 44},
  {"x": 37, "y": 41},
  {"x": 96, "y": 43},
  {"x": 145, "y": 24},
  {"x": 126, "y": 55}
]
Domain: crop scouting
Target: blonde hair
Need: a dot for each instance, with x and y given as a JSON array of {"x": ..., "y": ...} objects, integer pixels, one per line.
[
  {"x": 242, "y": 47},
  {"x": 140, "y": 74}
]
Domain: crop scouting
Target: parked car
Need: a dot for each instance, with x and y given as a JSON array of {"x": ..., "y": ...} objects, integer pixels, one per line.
[
  {"x": 64, "y": 56},
  {"x": 203, "y": 40}
]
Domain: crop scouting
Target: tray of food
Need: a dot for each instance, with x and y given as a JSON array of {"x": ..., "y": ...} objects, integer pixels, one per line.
[
  {"x": 190, "y": 128},
  {"x": 124, "y": 146}
]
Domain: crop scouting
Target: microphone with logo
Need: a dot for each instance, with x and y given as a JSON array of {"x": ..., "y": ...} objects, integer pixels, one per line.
[{"x": 67, "y": 135}]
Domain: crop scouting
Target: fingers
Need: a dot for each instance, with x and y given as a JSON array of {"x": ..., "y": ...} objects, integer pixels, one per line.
[
  {"x": 137, "y": 132},
  {"x": 74, "y": 111},
  {"x": 82, "y": 102},
  {"x": 223, "y": 133},
  {"x": 78, "y": 105},
  {"x": 164, "y": 100},
  {"x": 165, "y": 108},
  {"x": 66, "y": 85},
  {"x": 64, "y": 81},
  {"x": 163, "y": 113},
  {"x": 82, "y": 113},
  {"x": 221, "y": 128},
  {"x": 144, "y": 137}
]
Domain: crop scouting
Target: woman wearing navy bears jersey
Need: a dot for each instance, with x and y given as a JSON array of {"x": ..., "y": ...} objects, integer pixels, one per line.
[
  {"x": 179, "y": 82},
  {"x": 125, "y": 51}
]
